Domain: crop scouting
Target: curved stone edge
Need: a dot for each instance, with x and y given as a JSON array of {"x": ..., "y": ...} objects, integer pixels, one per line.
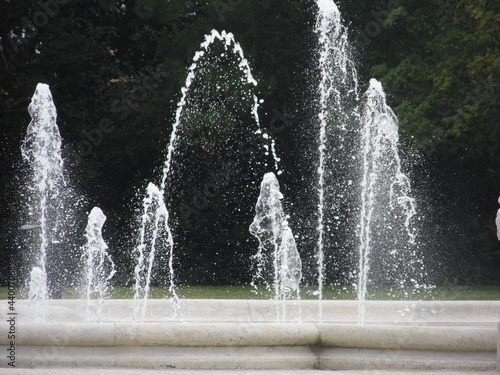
[
  {"x": 256, "y": 334},
  {"x": 411, "y": 360},
  {"x": 259, "y": 345},
  {"x": 163, "y": 334},
  {"x": 161, "y": 357},
  {"x": 121, "y": 371},
  {"x": 223, "y": 334},
  {"x": 253, "y": 311},
  {"x": 461, "y": 339}
]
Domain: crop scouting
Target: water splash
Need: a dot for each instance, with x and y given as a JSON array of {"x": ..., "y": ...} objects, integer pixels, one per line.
[
  {"x": 290, "y": 265},
  {"x": 37, "y": 294},
  {"x": 37, "y": 284},
  {"x": 387, "y": 209},
  {"x": 41, "y": 148},
  {"x": 279, "y": 267},
  {"x": 155, "y": 211},
  {"x": 228, "y": 41},
  {"x": 98, "y": 264},
  {"x": 337, "y": 89},
  {"x": 155, "y": 240}
]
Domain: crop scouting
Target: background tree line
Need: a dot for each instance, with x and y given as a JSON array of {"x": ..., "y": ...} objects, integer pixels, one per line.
[{"x": 116, "y": 67}]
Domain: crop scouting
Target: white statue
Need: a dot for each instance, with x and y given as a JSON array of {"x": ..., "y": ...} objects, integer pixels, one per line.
[{"x": 497, "y": 221}]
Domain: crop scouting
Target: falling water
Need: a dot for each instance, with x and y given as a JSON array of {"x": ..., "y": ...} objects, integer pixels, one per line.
[
  {"x": 387, "y": 209},
  {"x": 290, "y": 265},
  {"x": 155, "y": 241},
  {"x": 37, "y": 285},
  {"x": 338, "y": 85},
  {"x": 228, "y": 39},
  {"x": 98, "y": 264},
  {"x": 279, "y": 267},
  {"x": 155, "y": 210},
  {"x": 37, "y": 294},
  {"x": 42, "y": 150}
]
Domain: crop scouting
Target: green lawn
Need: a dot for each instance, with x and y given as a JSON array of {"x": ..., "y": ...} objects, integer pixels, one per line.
[{"x": 246, "y": 292}]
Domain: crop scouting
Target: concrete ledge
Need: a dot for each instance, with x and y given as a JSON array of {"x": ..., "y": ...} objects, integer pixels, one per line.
[
  {"x": 458, "y": 339},
  {"x": 223, "y": 334},
  {"x": 390, "y": 359},
  {"x": 292, "y": 357},
  {"x": 122, "y": 371},
  {"x": 399, "y": 312},
  {"x": 163, "y": 334},
  {"x": 252, "y": 339},
  {"x": 254, "y": 345}
]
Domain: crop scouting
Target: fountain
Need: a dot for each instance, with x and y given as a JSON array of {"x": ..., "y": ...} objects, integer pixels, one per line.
[
  {"x": 228, "y": 40},
  {"x": 155, "y": 210},
  {"x": 387, "y": 209},
  {"x": 239, "y": 334},
  {"x": 37, "y": 284},
  {"x": 49, "y": 231},
  {"x": 155, "y": 240},
  {"x": 337, "y": 92},
  {"x": 41, "y": 149},
  {"x": 279, "y": 267},
  {"x": 98, "y": 264}
]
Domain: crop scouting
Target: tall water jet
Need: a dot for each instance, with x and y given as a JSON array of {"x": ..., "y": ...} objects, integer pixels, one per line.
[
  {"x": 337, "y": 98},
  {"x": 187, "y": 114},
  {"x": 155, "y": 241},
  {"x": 279, "y": 267},
  {"x": 97, "y": 263},
  {"x": 387, "y": 234},
  {"x": 41, "y": 149}
]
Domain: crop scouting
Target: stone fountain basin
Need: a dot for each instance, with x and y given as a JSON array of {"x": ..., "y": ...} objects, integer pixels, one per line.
[{"x": 461, "y": 335}]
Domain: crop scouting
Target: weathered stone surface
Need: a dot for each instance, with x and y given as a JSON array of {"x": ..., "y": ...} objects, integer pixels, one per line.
[{"x": 254, "y": 334}]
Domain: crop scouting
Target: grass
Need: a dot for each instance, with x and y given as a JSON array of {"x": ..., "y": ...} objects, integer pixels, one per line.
[{"x": 452, "y": 293}]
